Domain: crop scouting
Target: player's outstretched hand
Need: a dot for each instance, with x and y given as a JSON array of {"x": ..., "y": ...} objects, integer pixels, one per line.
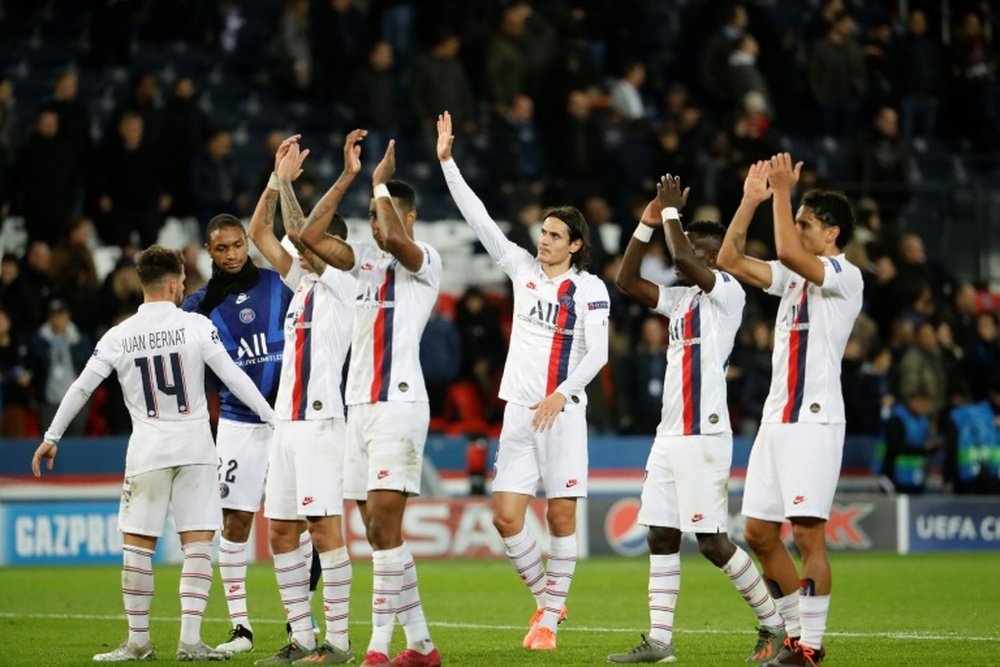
[
  {"x": 651, "y": 214},
  {"x": 387, "y": 167},
  {"x": 445, "y": 137},
  {"x": 283, "y": 149},
  {"x": 352, "y": 151},
  {"x": 784, "y": 174},
  {"x": 546, "y": 411},
  {"x": 290, "y": 166},
  {"x": 755, "y": 187},
  {"x": 46, "y": 450},
  {"x": 670, "y": 194}
]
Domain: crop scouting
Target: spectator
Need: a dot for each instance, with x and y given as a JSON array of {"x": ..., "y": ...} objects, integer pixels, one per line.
[
  {"x": 8, "y": 141},
  {"x": 339, "y": 33},
  {"x": 291, "y": 54},
  {"x": 522, "y": 155},
  {"x": 74, "y": 120},
  {"x": 58, "y": 352},
  {"x": 917, "y": 76},
  {"x": 914, "y": 269},
  {"x": 837, "y": 78},
  {"x": 972, "y": 445},
  {"x": 921, "y": 370},
  {"x": 441, "y": 84},
  {"x": 132, "y": 191},
  {"x": 74, "y": 276},
  {"x": 879, "y": 165},
  {"x": 871, "y": 396},
  {"x": 505, "y": 63},
  {"x": 441, "y": 359},
  {"x": 715, "y": 76},
  {"x": 877, "y": 47},
  {"x": 120, "y": 295},
  {"x": 962, "y": 315},
  {"x": 17, "y": 296},
  {"x": 974, "y": 74},
  {"x": 908, "y": 441},
  {"x": 16, "y": 376},
  {"x": 626, "y": 98},
  {"x": 143, "y": 101},
  {"x": 526, "y": 216},
  {"x": 579, "y": 157},
  {"x": 483, "y": 348},
  {"x": 648, "y": 367},
  {"x": 211, "y": 179},
  {"x": 185, "y": 128},
  {"x": 982, "y": 360},
  {"x": 48, "y": 180},
  {"x": 745, "y": 77},
  {"x": 375, "y": 98},
  {"x": 753, "y": 373}
]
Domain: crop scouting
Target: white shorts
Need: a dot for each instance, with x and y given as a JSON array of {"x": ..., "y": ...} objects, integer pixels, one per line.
[
  {"x": 793, "y": 471},
  {"x": 243, "y": 451},
  {"x": 305, "y": 475},
  {"x": 556, "y": 458},
  {"x": 687, "y": 483},
  {"x": 385, "y": 448},
  {"x": 190, "y": 490}
]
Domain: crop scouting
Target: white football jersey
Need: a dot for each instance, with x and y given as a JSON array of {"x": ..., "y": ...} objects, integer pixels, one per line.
[
  {"x": 392, "y": 306},
  {"x": 702, "y": 330},
  {"x": 548, "y": 337},
  {"x": 810, "y": 334},
  {"x": 317, "y": 336},
  {"x": 159, "y": 354}
]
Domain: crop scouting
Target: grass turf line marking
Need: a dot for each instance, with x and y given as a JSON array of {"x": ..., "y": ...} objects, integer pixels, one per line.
[{"x": 485, "y": 626}]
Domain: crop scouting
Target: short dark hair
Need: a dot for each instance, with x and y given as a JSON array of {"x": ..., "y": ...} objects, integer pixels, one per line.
[
  {"x": 156, "y": 262},
  {"x": 222, "y": 221},
  {"x": 404, "y": 192},
  {"x": 833, "y": 210},
  {"x": 707, "y": 228},
  {"x": 338, "y": 226},
  {"x": 578, "y": 229}
]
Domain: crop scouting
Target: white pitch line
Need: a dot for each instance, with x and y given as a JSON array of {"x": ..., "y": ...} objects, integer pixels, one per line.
[{"x": 488, "y": 626}]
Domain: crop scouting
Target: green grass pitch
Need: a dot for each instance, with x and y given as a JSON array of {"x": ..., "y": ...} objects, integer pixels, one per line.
[{"x": 941, "y": 609}]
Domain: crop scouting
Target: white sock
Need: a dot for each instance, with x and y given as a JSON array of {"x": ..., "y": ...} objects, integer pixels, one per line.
[
  {"x": 745, "y": 577},
  {"x": 293, "y": 586},
  {"x": 813, "y": 610},
  {"x": 559, "y": 576},
  {"x": 664, "y": 585},
  {"x": 137, "y": 591},
  {"x": 788, "y": 607},
  {"x": 233, "y": 570},
  {"x": 526, "y": 557},
  {"x": 387, "y": 579},
  {"x": 337, "y": 573},
  {"x": 196, "y": 582},
  {"x": 409, "y": 610}
]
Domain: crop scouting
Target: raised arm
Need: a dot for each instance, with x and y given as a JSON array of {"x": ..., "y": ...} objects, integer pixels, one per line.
[
  {"x": 672, "y": 199},
  {"x": 390, "y": 225},
  {"x": 628, "y": 279},
  {"x": 469, "y": 205},
  {"x": 261, "y": 230},
  {"x": 790, "y": 250},
  {"x": 732, "y": 255},
  {"x": 290, "y": 168},
  {"x": 331, "y": 249}
]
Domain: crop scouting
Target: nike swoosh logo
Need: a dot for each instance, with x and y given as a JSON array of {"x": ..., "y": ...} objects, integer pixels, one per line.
[{"x": 241, "y": 298}]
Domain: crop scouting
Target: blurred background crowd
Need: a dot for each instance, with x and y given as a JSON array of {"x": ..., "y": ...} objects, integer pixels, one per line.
[{"x": 122, "y": 121}]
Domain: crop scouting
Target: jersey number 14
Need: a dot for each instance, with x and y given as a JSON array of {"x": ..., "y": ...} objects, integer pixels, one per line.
[{"x": 154, "y": 381}]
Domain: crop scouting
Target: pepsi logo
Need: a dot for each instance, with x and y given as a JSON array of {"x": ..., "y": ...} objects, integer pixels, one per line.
[{"x": 622, "y": 529}]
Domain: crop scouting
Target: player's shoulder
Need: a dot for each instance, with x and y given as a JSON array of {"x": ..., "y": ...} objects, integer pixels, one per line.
[
  {"x": 190, "y": 304},
  {"x": 589, "y": 285},
  {"x": 841, "y": 265}
]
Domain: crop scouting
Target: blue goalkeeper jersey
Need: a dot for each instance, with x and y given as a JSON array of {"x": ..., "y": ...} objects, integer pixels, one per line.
[{"x": 251, "y": 326}]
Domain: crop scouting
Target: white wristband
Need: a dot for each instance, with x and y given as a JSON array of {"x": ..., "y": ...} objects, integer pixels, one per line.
[
  {"x": 643, "y": 232},
  {"x": 670, "y": 213},
  {"x": 273, "y": 182},
  {"x": 381, "y": 190}
]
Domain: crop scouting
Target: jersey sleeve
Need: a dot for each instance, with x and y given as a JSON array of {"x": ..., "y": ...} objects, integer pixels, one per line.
[
  {"x": 361, "y": 255},
  {"x": 780, "y": 275},
  {"x": 728, "y": 294},
  {"x": 668, "y": 298},
  {"x": 598, "y": 303},
  {"x": 339, "y": 283},
  {"x": 430, "y": 270},
  {"x": 294, "y": 275},
  {"x": 209, "y": 341},
  {"x": 595, "y": 332},
  {"x": 106, "y": 353},
  {"x": 841, "y": 278}
]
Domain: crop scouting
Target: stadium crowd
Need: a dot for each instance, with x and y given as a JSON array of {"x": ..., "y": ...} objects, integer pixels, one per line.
[{"x": 576, "y": 102}]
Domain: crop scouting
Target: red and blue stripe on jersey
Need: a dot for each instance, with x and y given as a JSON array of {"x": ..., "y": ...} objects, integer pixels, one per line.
[
  {"x": 303, "y": 357},
  {"x": 691, "y": 372},
  {"x": 798, "y": 342},
  {"x": 562, "y": 342},
  {"x": 383, "y": 337}
]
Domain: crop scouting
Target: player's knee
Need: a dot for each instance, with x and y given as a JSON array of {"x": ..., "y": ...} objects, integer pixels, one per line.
[
  {"x": 758, "y": 538},
  {"x": 716, "y": 548},
  {"x": 810, "y": 537},
  {"x": 236, "y": 525},
  {"x": 663, "y": 541},
  {"x": 561, "y": 523},
  {"x": 506, "y": 524},
  {"x": 382, "y": 534}
]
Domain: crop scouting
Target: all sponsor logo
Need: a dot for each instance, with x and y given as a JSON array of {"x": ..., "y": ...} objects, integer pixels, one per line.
[{"x": 622, "y": 529}]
